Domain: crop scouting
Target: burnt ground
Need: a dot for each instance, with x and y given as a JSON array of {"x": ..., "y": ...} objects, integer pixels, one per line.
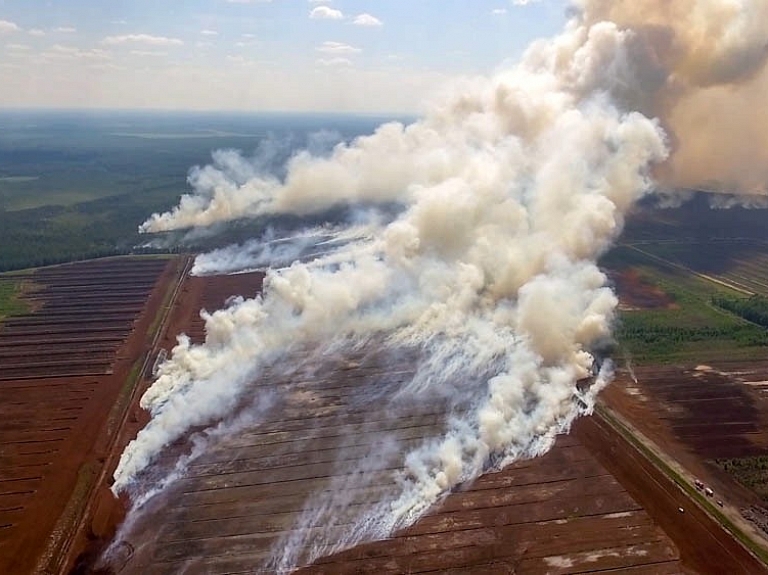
[
  {"x": 564, "y": 512},
  {"x": 635, "y": 292},
  {"x": 239, "y": 505},
  {"x": 591, "y": 504},
  {"x": 62, "y": 369},
  {"x": 699, "y": 414}
]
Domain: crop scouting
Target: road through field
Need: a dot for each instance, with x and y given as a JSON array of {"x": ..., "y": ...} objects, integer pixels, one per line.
[{"x": 705, "y": 546}]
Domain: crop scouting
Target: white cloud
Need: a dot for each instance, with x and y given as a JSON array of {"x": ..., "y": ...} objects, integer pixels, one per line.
[
  {"x": 209, "y": 32},
  {"x": 367, "y": 20},
  {"x": 325, "y": 13},
  {"x": 17, "y": 47},
  {"x": 142, "y": 39},
  {"x": 499, "y": 11},
  {"x": 337, "y": 48},
  {"x": 248, "y": 36},
  {"x": 523, "y": 2},
  {"x": 65, "y": 30},
  {"x": 70, "y": 52},
  {"x": 249, "y": 1},
  {"x": 335, "y": 62},
  {"x": 147, "y": 53},
  {"x": 36, "y": 32},
  {"x": 320, "y": 1},
  {"x": 6, "y": 26}
]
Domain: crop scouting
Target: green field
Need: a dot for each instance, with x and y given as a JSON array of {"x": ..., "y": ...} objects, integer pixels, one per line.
[
  {"x": 752, "y": 472},
  {"x": 694, "y": 329},
  {"x": 10, "y": 297}
]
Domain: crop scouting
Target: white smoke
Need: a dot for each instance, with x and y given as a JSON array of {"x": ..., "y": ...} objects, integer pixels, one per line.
[
  {"x": 511, "y": 189},
  {"x": 277, "y": 251}
]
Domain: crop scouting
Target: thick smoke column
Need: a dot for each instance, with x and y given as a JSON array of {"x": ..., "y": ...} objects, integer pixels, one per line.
[
  {"x": 702, "y": 67},
  {"x": 510, "y": 188}
]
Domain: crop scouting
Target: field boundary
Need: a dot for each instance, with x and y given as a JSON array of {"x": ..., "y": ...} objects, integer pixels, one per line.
[{"x": 56, "y": 556}]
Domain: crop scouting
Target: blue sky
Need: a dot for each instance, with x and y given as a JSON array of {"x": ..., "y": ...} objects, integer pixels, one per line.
[{"x": 308, "y": 55}]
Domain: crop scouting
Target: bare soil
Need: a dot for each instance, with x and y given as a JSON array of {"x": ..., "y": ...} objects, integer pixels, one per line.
[
  {"x": 635, "y": 292},
  {"x": 61, "y": 372}
]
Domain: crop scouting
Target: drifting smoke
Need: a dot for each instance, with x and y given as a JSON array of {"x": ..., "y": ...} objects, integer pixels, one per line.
[
  {"x": 277, "y": 252},
  {"x": 511, "y": 188},
  {"x": 700, "y": 66}
]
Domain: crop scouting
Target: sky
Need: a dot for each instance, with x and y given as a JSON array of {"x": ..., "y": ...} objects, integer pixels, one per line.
[{"x": 366, "y": 56}]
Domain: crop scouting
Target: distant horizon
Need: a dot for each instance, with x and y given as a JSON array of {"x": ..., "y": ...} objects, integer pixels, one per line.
[{"x": 211, "y": 111}]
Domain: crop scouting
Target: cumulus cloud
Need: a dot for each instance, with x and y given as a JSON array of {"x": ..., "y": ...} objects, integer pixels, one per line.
[
  {"x": 366, "y": 20},
  {"x": 7, "y": 27},
  {"x": 209, "y": 32},
  {"x": 330, "y": 47},
  {"x": 325, "y": 13},
  {"x": 36, "y": 32},
  {"x": 65, "y": 30},
  {"x": 498, "y": 11}
]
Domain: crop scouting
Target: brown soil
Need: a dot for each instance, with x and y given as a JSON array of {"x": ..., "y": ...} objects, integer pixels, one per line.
[
  {"x": 697, "y": 415},
  {"x": 224, "y": 516},
  {"x": 105, "y": 512},
  {"x": 612, "y": 510},
  {"x": 60, "y": 378},
  {"x": 635, "y": 292}
]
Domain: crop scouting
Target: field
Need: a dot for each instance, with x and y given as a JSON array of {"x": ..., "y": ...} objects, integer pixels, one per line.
[
  {"x": 62, "y": 369},
  {"x": 240, "y": 498},
  {"x": 11, "y": 302},
  {"x": 707, "y": 408},
  {"x": 668, "y": 313}
]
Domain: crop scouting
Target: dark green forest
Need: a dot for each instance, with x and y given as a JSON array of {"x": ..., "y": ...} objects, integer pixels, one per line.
[{"x": 753, "y": 309}]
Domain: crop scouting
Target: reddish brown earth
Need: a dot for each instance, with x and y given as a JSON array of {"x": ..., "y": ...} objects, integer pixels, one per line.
[
  {"x": 560, "y": 513},
  {"x": 698, "y": 415},
  {"x": 554, "y": 514},
  {"x": 637, "y": 293},
  {"x": 593, "y": 504},
  {"x": 61, "y": 371},
  {"x": 193, "y": 294}
]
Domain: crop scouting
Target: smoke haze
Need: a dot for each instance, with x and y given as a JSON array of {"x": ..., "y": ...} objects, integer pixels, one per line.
[{"x": 511, "y": 187}]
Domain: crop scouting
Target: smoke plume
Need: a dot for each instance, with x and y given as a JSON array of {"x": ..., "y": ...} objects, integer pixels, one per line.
[{"x": 511, "y": 187}]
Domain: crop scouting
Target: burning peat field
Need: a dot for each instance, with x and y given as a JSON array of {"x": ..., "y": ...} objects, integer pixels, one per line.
[{"x": 450, "y": 319}]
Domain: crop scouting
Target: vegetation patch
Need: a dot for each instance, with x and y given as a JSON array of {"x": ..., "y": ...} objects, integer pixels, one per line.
[
  {"x": 11, "y": 302},
  {"x": 693, "y": 328},
  {"x": 751, "y": 472},
  {"x": 753, "y": 309}
]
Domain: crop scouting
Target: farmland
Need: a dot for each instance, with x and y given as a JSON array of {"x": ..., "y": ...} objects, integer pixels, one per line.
[
  {"x": 689, "y": 324},
  {"x": 236, "y": 502},
  {"x": 11, "y": 302},
  {"x": 62, "y": 367}
]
